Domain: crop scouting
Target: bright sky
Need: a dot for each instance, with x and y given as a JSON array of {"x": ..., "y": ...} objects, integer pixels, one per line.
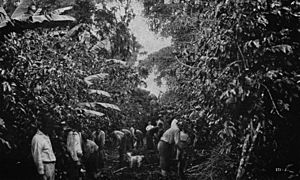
[{"x": 150, "y": 41}]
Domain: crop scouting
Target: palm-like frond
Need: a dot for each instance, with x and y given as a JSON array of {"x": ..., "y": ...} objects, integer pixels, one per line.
[
  {"x": 24, "y": 17},
  {"x": 93, "y": 105},
  {"x": 21, "y": 12},
  {"x": 100, "y": 92},
  {"x": 4, "y": 19},
  {"x": 37, "y": 12},
  {"x": 89, "y": 79},
  {"x": 92, "y": 112},
  {"x": 61, "y": 10},
  {"x": 58, "y": 17},
  {"x": 108, "y": 105},
  {"x": 87, "y": 104},
  {"x": 116, "y": 61}
]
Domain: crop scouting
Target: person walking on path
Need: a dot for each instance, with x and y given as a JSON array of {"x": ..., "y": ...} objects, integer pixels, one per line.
[
  {"x": 120, "y": 140},
  {"x": 169, "y": 139},
  {"x": 181, "y": 154},
  {"x": 74, "y": 148},
  {"x": 149, "y": 136},
  {"x": 129, "y": 139},
  {"x": 158, "y": 131},
  {"x": 42, "y": 151},
  {"x": 90, "y": 155},
  {"x": 154, "y": 135},
  {"x": 138, "y": 137},
  {"x": 99, "y": 139}
]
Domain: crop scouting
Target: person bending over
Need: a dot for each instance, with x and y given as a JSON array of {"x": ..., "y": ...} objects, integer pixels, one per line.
[
  {"x": 99, "y": 139},
  {"x": 90, "y": 156},
  {"x": 168, "y": 141}
]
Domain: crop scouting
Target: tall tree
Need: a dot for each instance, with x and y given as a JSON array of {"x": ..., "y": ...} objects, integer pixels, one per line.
[
  {"x": 68, "y": 71},
  {"x": 235, "y": 73}
]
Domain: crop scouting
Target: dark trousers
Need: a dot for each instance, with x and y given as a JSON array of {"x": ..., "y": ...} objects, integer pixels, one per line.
[
  {"x": 73, "y": 170},
  {"x": 182, "y": 158},
  {"x": 91, "y": 165},
  {"x": 122, "y": 149},
  {"x": 165, "y": 155},
  {"x": 149, "y": 141},
  {"x": 101, "y": 158}
]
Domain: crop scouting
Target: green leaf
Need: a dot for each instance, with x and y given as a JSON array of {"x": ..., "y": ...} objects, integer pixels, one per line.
[
  {"x": 5, "y": 143},
  {"x": 6, "y": 86},
  {"x": 105, "y": 44},
  {"x": 112, "y": 106},
  {"x": 286, "y": 106},
  {"x": 39, "y": 18},
  {"x": 285, "y": 48},
  {"x": 262, "y": 20},
  {"x": 4, "y": 19},
  {"x": 93, "y": 105},
  {"x": 229, "y": 132},
  {"x": 87, "y": 104},
  {"x": 2, "y": 123},
  {"x": 21, "y": 12},
  {"x": 256, "y": 43},
  {"x": 100, "y": 92},
  {"x": 57, "y": 17},
  {"x": 61, "y": 10},
  {"x": 116, "y": 61},
  {"x": 95, "y": 76},
  {"x": 37, "y": 12},
  {"x": 224, "y": 94},
  {"x": 92, "y": 113}
]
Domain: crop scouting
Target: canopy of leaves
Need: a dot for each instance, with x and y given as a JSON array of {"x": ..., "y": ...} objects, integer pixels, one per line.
[
  {"x": 234, "y": 70},
  {"x": 61, "y": 71}
]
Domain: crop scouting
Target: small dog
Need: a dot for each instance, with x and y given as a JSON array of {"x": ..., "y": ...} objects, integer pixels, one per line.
[{"x": 135, "y": 160}]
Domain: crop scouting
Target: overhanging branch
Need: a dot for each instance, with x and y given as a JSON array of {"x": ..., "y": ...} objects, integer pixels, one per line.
[
  {"x": 272, "y": 100},
  {"x": 185, "y": 64}
]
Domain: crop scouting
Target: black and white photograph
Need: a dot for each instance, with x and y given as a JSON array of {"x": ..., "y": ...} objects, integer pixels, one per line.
[{"x": 149, "y": 89}]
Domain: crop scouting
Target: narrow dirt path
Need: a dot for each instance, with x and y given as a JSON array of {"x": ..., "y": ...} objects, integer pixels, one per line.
[{"x": 148, "y": 171}]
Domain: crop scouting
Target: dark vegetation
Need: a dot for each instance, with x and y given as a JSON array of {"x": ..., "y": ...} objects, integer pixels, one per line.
[
  {"x": 232, "y": 71},
  {"x": 70, "y": 70}
]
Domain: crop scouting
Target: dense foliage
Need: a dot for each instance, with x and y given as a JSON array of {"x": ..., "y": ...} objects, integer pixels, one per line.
[
  {"x": 72, "y": 73},
  {"x": 233, "y": 73}
]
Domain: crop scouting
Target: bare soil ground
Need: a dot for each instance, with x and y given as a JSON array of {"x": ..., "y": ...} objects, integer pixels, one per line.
[{"x": 149, "y": 170}]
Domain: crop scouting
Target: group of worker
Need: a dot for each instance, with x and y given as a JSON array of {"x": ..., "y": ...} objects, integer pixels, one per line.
[
  {"x": 83, "y": 149},
  {"x": 88, "y": 149}
]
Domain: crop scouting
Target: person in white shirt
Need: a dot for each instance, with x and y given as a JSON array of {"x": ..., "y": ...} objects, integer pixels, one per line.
[
  {"x": 120, "y": 140},
  {"x": 169, "y": 139},
  {"x": 129, "y": 139},
  {"x": 98, "y": 137},
  {"x": 74, "y": 148},
  {"x": 137, "y": 137},
  {"x": 149, "y": 136},
  {"x": 174, "y": 123},
  {"x": 159, "y": 122},
  {"x": 41, "y": 149},
  {"x": 149, "y": 126}
]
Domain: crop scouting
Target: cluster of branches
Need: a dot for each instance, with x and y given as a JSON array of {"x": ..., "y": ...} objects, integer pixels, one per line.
[
  {"x": 233, "y": 73},
  {"x": 79, "y": 71}
]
